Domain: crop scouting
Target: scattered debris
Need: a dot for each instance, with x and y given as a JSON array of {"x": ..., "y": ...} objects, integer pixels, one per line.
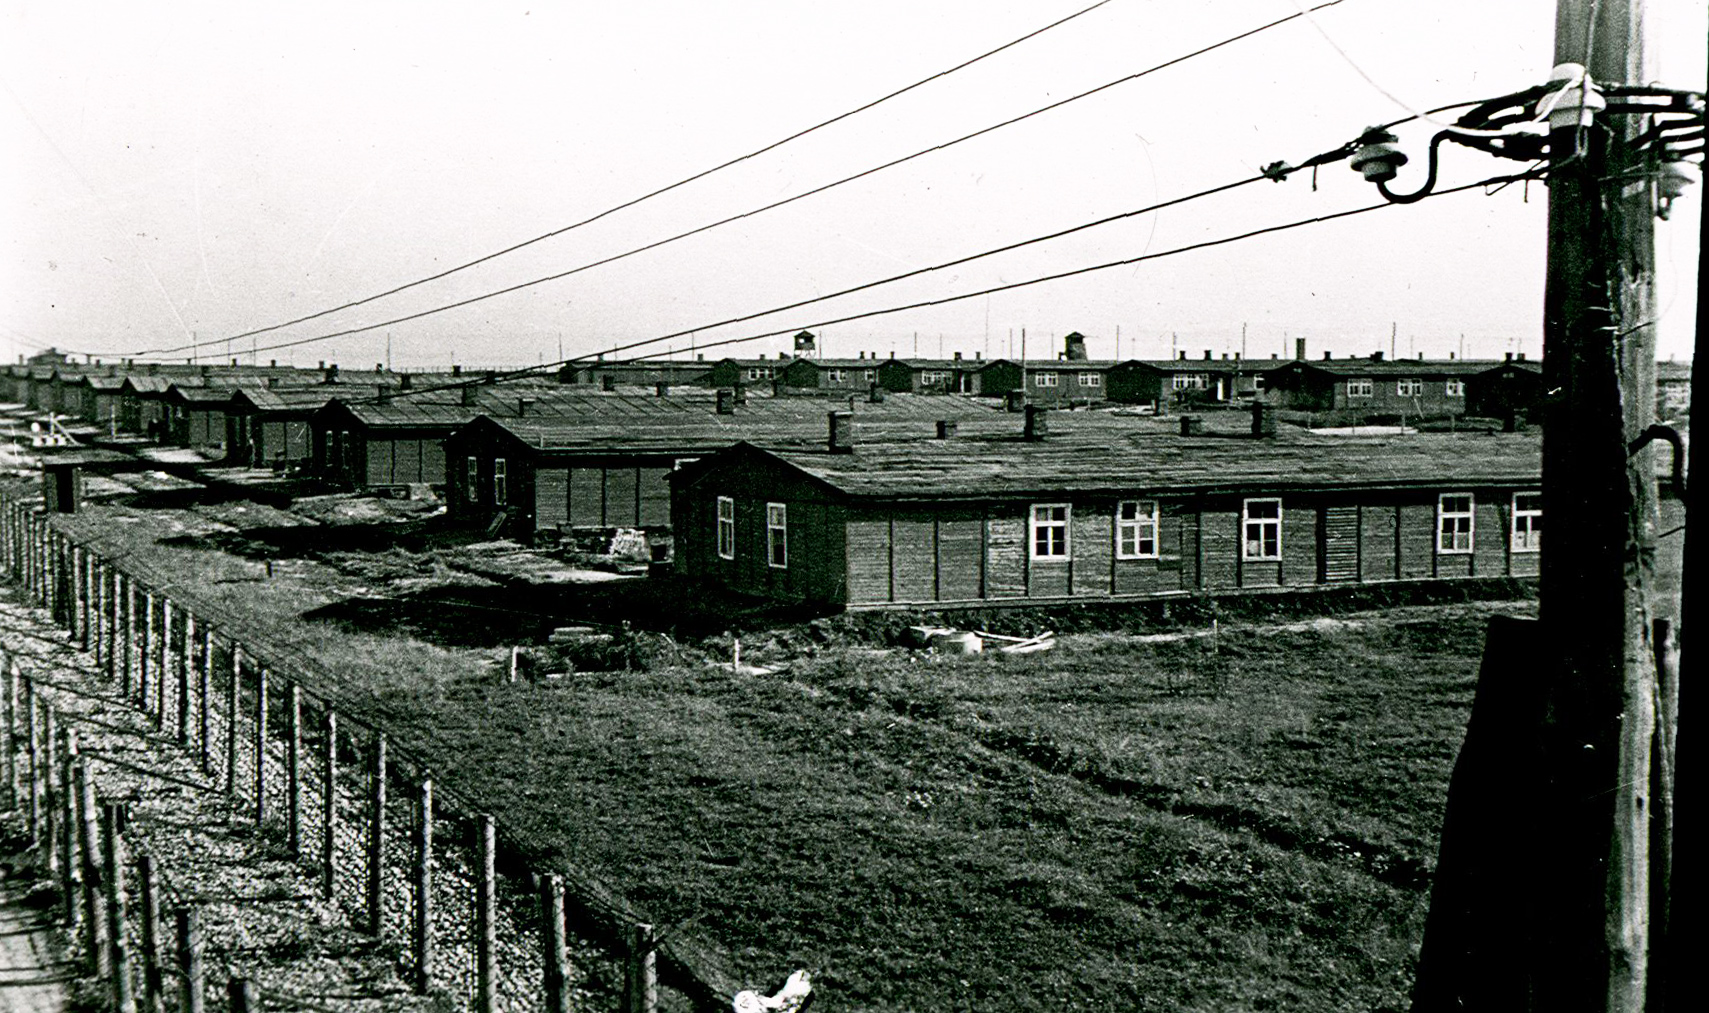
[
  {"x": 1023, "y": 645},
  {"x": 797, "y": 990}
]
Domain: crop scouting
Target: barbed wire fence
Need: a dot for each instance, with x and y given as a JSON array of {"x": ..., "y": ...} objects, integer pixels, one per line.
[{"x": 422, "y": 870}]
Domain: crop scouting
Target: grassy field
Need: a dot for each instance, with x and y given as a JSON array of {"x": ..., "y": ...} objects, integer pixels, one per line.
[{"x": 1128, "y": 822}]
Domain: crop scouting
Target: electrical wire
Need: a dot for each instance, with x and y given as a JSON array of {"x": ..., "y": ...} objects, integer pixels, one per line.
[
  {"x": 1267, "y": 230},
  {"x": 759, "y": 210},
  {"x": 651, "y": 194},
  {"x": 1580, "y": 82}
]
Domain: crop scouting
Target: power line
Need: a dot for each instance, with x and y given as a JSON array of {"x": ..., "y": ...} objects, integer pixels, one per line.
[
  {"x": 1267, "y": 230},
  {"x": 655, "y": 193},
  {"x": 775, "y": 204}
]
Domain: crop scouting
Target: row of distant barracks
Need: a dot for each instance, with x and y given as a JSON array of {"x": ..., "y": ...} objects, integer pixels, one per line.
[{"x": 876, "y": 497}]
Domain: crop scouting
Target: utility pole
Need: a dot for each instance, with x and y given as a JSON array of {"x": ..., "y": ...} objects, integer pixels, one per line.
[{"x": 1596, "y": 577}]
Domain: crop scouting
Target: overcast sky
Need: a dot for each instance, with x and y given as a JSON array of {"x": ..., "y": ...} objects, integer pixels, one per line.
[{"x": 178, "y": 169}]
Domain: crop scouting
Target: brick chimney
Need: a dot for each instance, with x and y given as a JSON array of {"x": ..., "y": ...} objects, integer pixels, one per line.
[
  {"x": 1376, "y": 356},
  {"x": 1263, "y": 419},
  {"x": 1037, "y": 424},
  {"x": 840, "y": 435},
  {"x": 1299, "y": 349}
]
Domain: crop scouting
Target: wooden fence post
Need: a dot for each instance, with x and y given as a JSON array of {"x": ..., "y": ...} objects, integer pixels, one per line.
[
  {"x": 424, "y": 948},
  {"x": 260, "y": 746},
  {"x": 145, "y": 648},
  {"x": 32, "y": 749},
  {"x": 423, "y": 883},
  {"x": 97, "y": 605},
  {"x": 186, "y": 665},
  {"x": 190, "y": 960},
  {"x": 293, "y": 770},
  {"x": 231, "y": 719},
  {"x": 329, "y": 805},
  {"x": 129, "y": 631},
  {"x": 49, "y": 837},
  {"x": 94, "y": 920},
  {"x": 241, "y": 996},
  {"x": 118, "y": 938},
  {"x": 11, "y": 677},
  {"x": 552, "y": 942},
  {"x": 641, "y": 973},
  {"x": 153, "y": 991},
  {"x": 377, "y": 838},
  {"x": 205, "y": 690},
  {"x": 66, "y": 839},
  {"x": 165, "y": 670},
  {"x": 85, "y": 594},
  {"x": 486, "y": 921}
]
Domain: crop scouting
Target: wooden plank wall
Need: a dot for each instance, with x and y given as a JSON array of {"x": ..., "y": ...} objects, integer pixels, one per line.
[{"x": 955, "y": 553}]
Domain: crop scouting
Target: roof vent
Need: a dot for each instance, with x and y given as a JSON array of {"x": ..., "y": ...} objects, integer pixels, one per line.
[
  {"x": 662, "y": 389},
  {"x": 875, "y": 394},
  {"x": 1207, "y": 355},
  {"x": 946, "y": 428},
  {"x": 1192, "y": 425},
  {"x": 840, "y": 438},
  {"x": 1299, "y": 348},
  {"x": 1509, "y": 356},
  {"x": 403, "y": 381},
  {"x": 726, "y": 402},
  {"x": 1014, "y": 400},
  {"x": 1376, "y": 356},
  {"x": 456, "y": 370},
  {"x": 1326, "y": 356},
  {"x": 468, "y": 394},
  {"x": 522, "y": 406},
  {"x": 958, "y": 356},
  {"x": 1519, "y": 358},
  {"x": 608, "y": 382}
]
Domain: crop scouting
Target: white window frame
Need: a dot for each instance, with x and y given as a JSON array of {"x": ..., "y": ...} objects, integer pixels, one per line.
[
  {"x": 1044, "y": 521},
  {"x": 1448, "y": 536},
  {"x": 836, "y": 375},
  {"x": 1136, "y": 524},
  {"x": 726, "y": 528},
  {"x": 1360, "y": 387},
  {"x": 472, "y": 480},
  {"x": 760, "y": 373},
  {"x": 932, "y": 377},
  {"x": 1046, "y": 379},
  {"x": 1267, "y": 552},
  {"x": 1528, "y": 537},
  {"x": 1190, "y": 381},
  {"x": 870, "y": 375},
  {"x": 777, "y": 535},
  {"x": 1454, "y": 388},
  {"x": 501, "y": 477},
  {"x": 1091, "y": 380},
  {"x": 1409, "y": 387}
]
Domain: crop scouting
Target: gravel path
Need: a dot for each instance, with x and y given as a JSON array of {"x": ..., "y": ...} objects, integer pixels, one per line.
[{"x": 260, "y": 912}]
